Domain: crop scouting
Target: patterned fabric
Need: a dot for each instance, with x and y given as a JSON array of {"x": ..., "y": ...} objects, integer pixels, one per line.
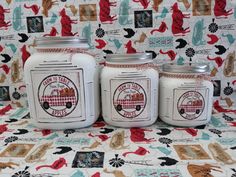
[
  {"x": 172, "y": 31},
  {"x": 105, "y": 151}
]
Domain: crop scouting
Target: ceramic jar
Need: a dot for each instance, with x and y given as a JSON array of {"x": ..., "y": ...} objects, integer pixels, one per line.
[
  {"x": 129, "y": 90},
  {"x": 62, "y": 84},
  {"x": 186, "y": 94}
]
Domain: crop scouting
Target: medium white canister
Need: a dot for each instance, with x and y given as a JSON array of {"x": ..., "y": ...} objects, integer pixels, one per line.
[
  {"x": 62, "y": 84},
  {"x": 129, "y": 90},
  {"x": 186, "y": 94}
]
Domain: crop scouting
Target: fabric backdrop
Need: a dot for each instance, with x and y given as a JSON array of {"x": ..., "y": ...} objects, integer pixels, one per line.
[{"x": 173, "y": 30}]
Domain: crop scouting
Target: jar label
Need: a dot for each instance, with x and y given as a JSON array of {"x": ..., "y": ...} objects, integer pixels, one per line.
[
  {"x": 130, "y": 100},
  {"x": 58, "y": 95},
  {"x": 190, "y": 104}
]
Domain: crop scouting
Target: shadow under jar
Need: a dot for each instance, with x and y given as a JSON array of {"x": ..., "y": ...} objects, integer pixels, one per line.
[
  {"x": 129, "y": 90},
  {"x": 186, "y": 94}
]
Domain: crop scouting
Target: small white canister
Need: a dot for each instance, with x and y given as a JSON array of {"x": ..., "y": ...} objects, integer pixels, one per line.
[
  {"x": 129, "y": 90},
  {"x": 186, "y": 94},
  {"x": 62, "y": 84}
]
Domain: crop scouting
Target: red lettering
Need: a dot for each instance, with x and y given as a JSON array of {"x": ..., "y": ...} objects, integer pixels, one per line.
[
  {"x": 64, "y": 80},
  {"x": 55, "y": 78},
  {"x": 123, "y": 87},
  {"x": 47, "y": 81},
  {"x": 135, "y": 86}
]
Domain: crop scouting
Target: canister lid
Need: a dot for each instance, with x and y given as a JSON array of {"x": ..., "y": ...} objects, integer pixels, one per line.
[
  {"x": 186, "y": 68},
  {"x": 73, "y": 42},
  {"x": 129, "y": 58}
]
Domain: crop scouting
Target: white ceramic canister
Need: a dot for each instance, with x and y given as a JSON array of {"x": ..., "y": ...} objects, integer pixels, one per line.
[
  {"x": 129, "y": 90},
  {"x": 186, "y": 94},
  {"x": 62, "y": 84}
]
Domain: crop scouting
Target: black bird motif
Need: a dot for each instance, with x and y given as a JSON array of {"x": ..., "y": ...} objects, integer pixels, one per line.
[
  {"x": 200, "y": 127},
  {"x": 221, "y": 49},
  {"x": 168, "y": 161},
  {"x": 106, "y": 130},
  {"x": 182, "y": 43},
  {"x": 233, "y": 148},
  {"x": 130, "y": 32},
  {"x": 107, "y": 51},
  {"x": 11, "y": 120},
  {"x": 164, "y": 131},
  {"x": 21, "y": 132},
  {"x": 23, "y": 36},
  {"x": 6, "y": 57},
  {"x": 63, "y": 150},
  {"x": 154, "y": 54}
]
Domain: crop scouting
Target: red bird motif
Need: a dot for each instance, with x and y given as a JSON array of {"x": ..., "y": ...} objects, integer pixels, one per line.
[
  {"x": 144, "y": 3},
  {"x": 170, "y": 53},
  {"x": 97, "y": 174},
  {"x": 162, "y": 28},
  {"x": 4, "y": 110},
  {"x": 233, "y": 124},
  {"x": 3, "y": 128},
  {"x": 102, "y": 137},
  {"x": 213, "y": 39},
  {"x": 190, "y": 131},
  {"x": 101, "y": 43},
  {"x": 53, "y": 32},
  {"x": 55, "y": 166},
  {"x": 99, "y": 124},
  {"x": 44, "y": 132},
  {"x": 1, "y": 48},
  {"x": 129, "y": 47},
  {"x": 24, "y": 54},
  {"x": 219, "y": 108},
  {"x": 5, "y": 68},
  {"x": 33, "y": 7},
  {"x": 140, "y": 151},
  {"x": 218, "y": 60}
]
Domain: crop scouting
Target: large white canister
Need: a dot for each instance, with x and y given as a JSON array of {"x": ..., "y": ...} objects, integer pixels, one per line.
[
  {"x": 129, "y": 90},
  {"x": 186, "y": 94},
  {"x": 62, "y": 84}
]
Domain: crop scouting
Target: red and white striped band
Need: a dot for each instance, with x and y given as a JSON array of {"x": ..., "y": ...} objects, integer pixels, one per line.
[
  {"x": 64, "y": 50},
  {"x": 186, "y": 76}
]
